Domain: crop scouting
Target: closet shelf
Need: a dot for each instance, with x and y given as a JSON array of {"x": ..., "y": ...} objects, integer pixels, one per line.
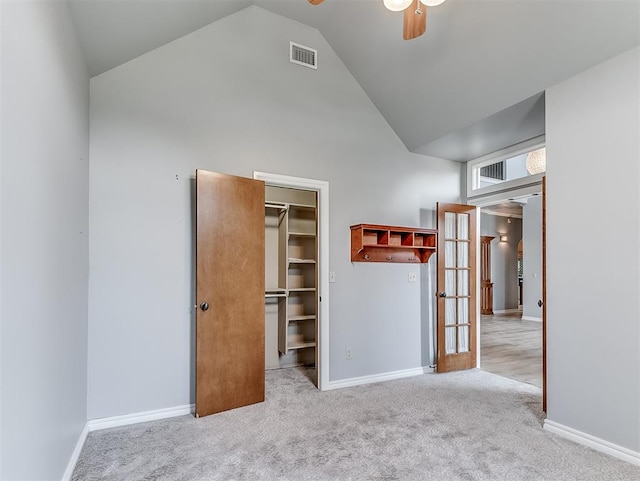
[
  {"x": 301, "y": 345},
  {"x": 301, "y": 261},
  {"x": 268, "y": 293},
  {"x": 295, "y": 205},
  {"x": 292, "y": 227},
  {"x": 384, "y": 243},
  {"x": 302, "y": 318},
  {"x": 275, "y": 206}
]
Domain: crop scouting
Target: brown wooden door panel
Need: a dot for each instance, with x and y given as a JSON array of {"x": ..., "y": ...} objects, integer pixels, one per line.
[
  {"x": 230, "y": 278},
  {"x": 544, "y": 294},
  {"x": 456, "y": 294}
]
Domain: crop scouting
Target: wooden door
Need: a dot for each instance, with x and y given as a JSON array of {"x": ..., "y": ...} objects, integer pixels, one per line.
[
  {"x": 544, "y": 294},
  {"x": 456, "y": 292},
  {"x": 229, "y": 292}
]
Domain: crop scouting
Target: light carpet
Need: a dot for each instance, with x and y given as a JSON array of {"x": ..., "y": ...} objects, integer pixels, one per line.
[{"x": 469, "y": 425}]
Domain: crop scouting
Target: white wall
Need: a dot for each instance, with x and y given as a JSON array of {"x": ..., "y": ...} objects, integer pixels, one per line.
[
  {"x": 226, "y": 98},
  {"x": 517, "y": 167},
  {"x": 593, "y": 217},
  {"x": 44, "y": 241},
  {"x": 532, "y": 258}
]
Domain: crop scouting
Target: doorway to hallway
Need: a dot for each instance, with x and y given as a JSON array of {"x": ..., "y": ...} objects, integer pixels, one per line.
[
  {"x": 512, "y": 347},
  {"x": 511, "y": 338}
]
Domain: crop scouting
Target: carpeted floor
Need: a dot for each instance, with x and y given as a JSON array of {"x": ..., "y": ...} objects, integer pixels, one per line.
[{"x": 469, "y": 425}]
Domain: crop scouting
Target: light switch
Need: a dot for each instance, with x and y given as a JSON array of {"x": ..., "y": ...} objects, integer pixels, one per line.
[{"x": 332, "y": 276}]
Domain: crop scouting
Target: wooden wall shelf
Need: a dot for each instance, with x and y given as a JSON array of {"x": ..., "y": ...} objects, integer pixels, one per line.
[{"x": 384, "y": 243}]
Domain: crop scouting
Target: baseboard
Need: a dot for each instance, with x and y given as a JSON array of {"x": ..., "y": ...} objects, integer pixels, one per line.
[
  {"x": 385, "y": 376},
  {"x": 76, "y": 454},
  {"x": 507, "y": 311},
  {"x": 115, "y": 421},
  {"x": 142, "y": 417},
  {"x": 593, "y": 442},
  {"x": 531, "y": 318}
]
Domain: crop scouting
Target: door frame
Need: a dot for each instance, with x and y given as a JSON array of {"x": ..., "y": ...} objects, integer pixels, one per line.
[
  {"x": 505, "y": 196},
  {"x": 322, "y": 189}
]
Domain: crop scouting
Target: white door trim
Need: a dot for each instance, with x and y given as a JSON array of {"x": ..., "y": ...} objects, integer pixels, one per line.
[{"x": 322, "y": 188}]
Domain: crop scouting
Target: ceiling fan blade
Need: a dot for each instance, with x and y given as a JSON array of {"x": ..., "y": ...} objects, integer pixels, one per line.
[
  {"x": 315, "y": 2},
  {"x": 415, "y": 20}
]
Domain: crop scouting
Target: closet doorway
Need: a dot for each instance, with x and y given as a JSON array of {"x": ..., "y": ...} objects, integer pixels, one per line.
[
  {"x": 231, "y": 222},
  {"x": 296, "y": 274}
]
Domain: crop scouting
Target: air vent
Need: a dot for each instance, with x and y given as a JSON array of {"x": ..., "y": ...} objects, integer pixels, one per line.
[
  {"x": 303, "y": 55},
  {"x": 494, "y": 171}
]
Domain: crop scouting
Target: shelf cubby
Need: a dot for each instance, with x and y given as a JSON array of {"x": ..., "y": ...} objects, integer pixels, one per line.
[
  {"x": 292, "y": 273},
  {"x": 382, "y": 243}
]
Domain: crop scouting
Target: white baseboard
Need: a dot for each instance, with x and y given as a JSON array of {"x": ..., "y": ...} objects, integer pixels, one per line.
[
  {"x": 385, "y": 376},
  {"x": 507, "y": 311},
  {"x": 115, "y": 421},
  {"x": 134, "y": 418},
  {"x": 76, "y": 454},
  {"x": 531, "y": 318},
  {"x": 593, "y": 442}
]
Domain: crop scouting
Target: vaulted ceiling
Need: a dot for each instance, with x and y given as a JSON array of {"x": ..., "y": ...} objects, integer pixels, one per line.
[{"x": 471, "y": 85}]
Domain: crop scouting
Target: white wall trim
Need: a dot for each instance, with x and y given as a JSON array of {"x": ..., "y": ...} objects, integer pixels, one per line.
[
  {"x": 507, "y": 311},
  {"x": 142, "y": 417},
  {"x": 385, "y": 376},
  {"x": 593, "y": 442},
  {"x": 488, "y": 211},
  {"x": 478, "y": 293},
  {"x": 322, "y": 188},
  {"x": 531, "y": 318},
  {"x": 115, "y": 421},
  {"x": 474, "y": 164},
  {"x": 76, "y": 454}
]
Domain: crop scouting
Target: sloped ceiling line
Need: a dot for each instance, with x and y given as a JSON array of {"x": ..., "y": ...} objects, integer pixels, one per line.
[{"x": 447, "y": 93}]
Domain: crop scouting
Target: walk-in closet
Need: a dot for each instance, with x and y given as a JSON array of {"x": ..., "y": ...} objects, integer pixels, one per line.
[{"x": 291, "y": 278}]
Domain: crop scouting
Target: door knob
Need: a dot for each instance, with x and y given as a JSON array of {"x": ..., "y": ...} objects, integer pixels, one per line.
[
  {"x": 204, "y": 306},
  {"x": 443, "y": 294},
  {"x": 540, "y": 303}
]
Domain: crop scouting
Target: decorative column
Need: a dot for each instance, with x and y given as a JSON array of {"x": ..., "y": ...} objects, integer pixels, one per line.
[{"x": 486, "y": 286}]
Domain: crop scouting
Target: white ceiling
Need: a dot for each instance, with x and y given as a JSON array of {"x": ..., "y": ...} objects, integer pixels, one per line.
[{"x": 470, "y": 86}]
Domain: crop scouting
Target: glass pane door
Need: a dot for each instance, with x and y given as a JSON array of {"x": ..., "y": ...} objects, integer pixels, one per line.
[
  {"x": 456, "y": 274},
  {"x": 457, "y": 282}
]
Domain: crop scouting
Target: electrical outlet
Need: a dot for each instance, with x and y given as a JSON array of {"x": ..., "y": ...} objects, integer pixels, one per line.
[
  {"x": 349, "y": 353},
  {"x": 332, "y": 276},
  {"x": 413, "y": 277}
]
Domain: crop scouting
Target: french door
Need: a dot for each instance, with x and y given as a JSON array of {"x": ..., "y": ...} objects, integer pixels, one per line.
[{"x": 456, "y": 287}]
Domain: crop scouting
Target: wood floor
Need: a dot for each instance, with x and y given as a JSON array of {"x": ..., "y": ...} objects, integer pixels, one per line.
[{"x": 511, "y": 347}]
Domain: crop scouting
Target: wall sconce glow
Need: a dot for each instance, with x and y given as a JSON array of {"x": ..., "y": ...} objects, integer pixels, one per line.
[
  {"x": 537, "y": 161},
  {"x": 432, "y": 3},
  {"x": 397, "y": 5},
  {"x": 504, "y": 238}
]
